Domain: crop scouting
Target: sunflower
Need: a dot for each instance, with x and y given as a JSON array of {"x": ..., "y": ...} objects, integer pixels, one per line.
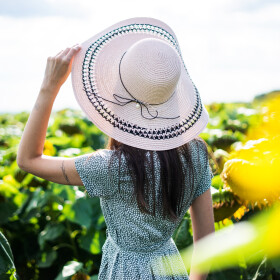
[{"x": 252, "y": 173}]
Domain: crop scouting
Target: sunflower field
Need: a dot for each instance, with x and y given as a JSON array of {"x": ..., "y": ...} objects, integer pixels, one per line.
[{"x": 53, "y": 231}]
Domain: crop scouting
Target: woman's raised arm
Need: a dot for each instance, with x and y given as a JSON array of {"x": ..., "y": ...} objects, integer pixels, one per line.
[{"x": 30, "y": 152}]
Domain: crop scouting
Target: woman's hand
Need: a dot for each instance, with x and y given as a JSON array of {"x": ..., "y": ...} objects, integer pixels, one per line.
[{"x": 58, "y": 68}]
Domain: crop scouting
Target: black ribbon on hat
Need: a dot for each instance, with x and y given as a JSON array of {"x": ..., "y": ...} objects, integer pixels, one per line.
[{"x": 122, "y": 101}]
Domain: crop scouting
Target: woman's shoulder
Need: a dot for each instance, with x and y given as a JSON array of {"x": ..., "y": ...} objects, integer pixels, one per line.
[
  {"x": 197, "y": 146},
  {"x": 200, "y": 151},
  {"x": 111, "y": 157},
  {"x": 105, "y": 153},
  {"x": 99, "y": 157},
  {"x": 198, "y": 142},
  {"x": 195, "y": 151}
]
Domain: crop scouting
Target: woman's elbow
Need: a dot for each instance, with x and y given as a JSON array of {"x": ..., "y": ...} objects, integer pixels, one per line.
[
  {"x": 20, "y": 163},
  {"x": 23, "y": 164}
]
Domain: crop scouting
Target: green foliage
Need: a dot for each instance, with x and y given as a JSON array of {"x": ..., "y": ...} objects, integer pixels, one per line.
[
  {"x": 50, "y": 227},
  {"x": 57, "y": 231},
  {"x": 183, "y": 234},
  {"x": 7, "y": 267},
  {"x": 69, "y": 269},
  {"x": 217, "y": 182}
]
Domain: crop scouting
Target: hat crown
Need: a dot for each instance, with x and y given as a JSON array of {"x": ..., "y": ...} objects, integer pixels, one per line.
[{"x": 150, "y": 70}]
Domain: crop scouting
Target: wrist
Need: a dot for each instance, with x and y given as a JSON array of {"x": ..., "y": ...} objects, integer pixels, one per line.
[
  {"x": 45, "y": 98},
  {"x": 50, "y": 88}
]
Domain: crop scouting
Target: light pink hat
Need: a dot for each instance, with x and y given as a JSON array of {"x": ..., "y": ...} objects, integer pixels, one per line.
[{"x": 132, "y": 83}]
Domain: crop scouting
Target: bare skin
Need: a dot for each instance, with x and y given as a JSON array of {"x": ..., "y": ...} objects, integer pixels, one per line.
[
  {"x": 30, "y": 152},
  {"x": 62, "y": 170},
  {"x": 202, "y": 216}
]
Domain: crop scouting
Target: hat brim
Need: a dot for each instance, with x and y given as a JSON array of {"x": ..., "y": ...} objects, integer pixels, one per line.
[{"x": 95, "y": 72}]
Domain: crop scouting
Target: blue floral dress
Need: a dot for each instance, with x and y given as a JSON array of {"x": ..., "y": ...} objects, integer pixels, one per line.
[{"x": 136, "y": 241}]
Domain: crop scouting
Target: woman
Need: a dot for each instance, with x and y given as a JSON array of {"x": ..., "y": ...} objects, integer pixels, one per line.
[{"x": 131, "y": 82}]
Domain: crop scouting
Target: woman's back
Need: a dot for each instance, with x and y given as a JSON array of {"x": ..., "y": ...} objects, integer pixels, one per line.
[{"x": 134, "y": 236}]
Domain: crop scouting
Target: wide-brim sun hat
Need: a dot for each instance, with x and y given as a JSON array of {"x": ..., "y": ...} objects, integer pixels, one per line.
[{"x": 132, "y": 83}]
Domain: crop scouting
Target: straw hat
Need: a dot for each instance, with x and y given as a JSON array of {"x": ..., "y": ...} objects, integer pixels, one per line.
[{"x": 132, "y": 83}]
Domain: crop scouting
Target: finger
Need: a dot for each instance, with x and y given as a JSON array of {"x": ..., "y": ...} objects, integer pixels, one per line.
[
  {"x": 72, "y": 52},
  {"x": 59, "y": 53},
  {"x": 63, "y": 53}
]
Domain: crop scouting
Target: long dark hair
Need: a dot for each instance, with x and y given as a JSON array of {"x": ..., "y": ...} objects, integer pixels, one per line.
[{"x": 172, "y": 175}]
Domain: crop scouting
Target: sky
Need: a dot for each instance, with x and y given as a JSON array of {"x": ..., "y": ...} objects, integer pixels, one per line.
[{"x": 230, "y": 47}]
